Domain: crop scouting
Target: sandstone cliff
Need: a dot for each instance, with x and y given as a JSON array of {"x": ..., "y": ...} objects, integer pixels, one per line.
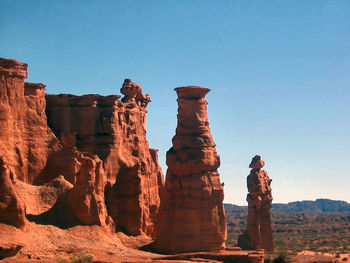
[
  {"x": 26, "y": 140},
  {"x": 115, "y": 131},
  {"x": 97, "y": 143}
]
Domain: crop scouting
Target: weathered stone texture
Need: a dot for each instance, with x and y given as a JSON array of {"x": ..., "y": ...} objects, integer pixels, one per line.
[
  {"x": 26, "y": 141},
  {"x": 115, "y": 131},
  {"x": 97, "y": 143},
  {"x": 191, "y": 216},
  {"x": 259, "y": 231},
  {"x": 12, "y": 208},
  {"x": 86, "y": 198}
]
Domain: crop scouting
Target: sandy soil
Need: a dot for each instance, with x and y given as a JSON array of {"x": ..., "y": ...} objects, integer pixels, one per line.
[
  {"x": 46, "y": 243},
  {"x": 311, "y": 256}
]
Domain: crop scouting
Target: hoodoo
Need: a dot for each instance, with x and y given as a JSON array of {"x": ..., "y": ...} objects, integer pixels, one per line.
[
  {"x": 191, "y": 215},
  {"x": 259, "y": 231}
]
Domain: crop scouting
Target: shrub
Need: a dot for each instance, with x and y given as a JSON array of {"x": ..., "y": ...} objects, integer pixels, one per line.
[
  {"x": 82, "y": 257},
  {"x": 282, "y": 258}
]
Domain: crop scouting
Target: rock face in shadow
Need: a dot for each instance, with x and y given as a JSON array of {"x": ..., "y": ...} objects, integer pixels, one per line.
[
  {"x": 191, "y": 215},
  {"x": 9, "y": 250},
  {"x": 115, "y": 131},
  {"x": 96, "y": 143},
  {"x": 12, "y": 208},
  {"x": 25, "y": 139},
  {"x": 259, "y": 231}
]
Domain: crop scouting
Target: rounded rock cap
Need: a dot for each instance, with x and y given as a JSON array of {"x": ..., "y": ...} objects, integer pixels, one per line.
[
  {"x": 256, "y": 162},
  {"x": 192, "y": 92}
]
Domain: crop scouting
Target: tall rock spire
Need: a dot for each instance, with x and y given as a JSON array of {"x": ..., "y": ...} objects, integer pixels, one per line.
[
  {"x": 192, "y": 216},
  {"x": 259, "y": 231}
]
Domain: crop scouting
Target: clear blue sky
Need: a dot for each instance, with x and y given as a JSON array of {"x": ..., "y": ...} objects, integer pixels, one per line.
[{"x": 278, "y": 73}]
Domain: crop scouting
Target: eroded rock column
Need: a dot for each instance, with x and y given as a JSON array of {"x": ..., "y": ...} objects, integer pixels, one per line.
[
  {"x": 12, "y": 208},
  {"x": 259, "y": 231},
  {"x": 191, "y": 216}
]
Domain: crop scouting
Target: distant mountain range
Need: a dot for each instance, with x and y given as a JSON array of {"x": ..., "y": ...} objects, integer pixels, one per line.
[{"x": 311, "y": 207}]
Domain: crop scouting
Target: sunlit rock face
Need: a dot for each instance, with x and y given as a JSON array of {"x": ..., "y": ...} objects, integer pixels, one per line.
[
  {"x": 259, "y": 231},
  {"x": 86, "y": 198},
  {"x": 26, "y": 140},
  {"x": 114, "y": 130},
  {"x": 191, "y": 215},
  {"x": 95, "y": 143},
  {"x": 12, "y": 207}
]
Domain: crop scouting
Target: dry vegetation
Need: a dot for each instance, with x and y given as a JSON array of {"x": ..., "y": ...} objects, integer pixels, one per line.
[{"x": 295, "y": 231}]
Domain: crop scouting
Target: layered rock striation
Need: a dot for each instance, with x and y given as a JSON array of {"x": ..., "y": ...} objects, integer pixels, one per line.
[
  {"x": 96, "y": 144},
  {"x": 191, "y": 215},
  {"x": 259, "y": 231},
  {"x": 115, "y": 131},
  {"x": 26, "y": 140}
]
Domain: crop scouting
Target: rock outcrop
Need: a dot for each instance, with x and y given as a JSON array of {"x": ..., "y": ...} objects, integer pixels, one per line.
[
  {"x": 115, "y": 131},
  {"x": 191, "y": 215},
  {"x": 259, "y": 231},
  {"x": 86, "y": 198},
  {"x": 97, "y": 143},
  {"x": 25, "y": 139},
  {"x": 9, "y": 250},
  {"x": 12, "y": 208},
  {"x": 81, "y": 202}
]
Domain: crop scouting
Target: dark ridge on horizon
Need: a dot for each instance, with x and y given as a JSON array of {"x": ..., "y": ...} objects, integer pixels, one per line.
[{"x": 306, "y": 206}]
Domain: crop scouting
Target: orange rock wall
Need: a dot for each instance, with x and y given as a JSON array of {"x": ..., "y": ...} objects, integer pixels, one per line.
[
  {"x": 12, "y": 208},
  {"x": 116, "y": 132},
  {"x": 26, "y": 141},
  {"x": 98, "y": 143}
]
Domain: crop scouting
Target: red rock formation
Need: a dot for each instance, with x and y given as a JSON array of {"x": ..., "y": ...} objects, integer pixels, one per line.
[
  {"x": 86, "y": 198},
  {"x": 259, "y": 231},
  {"x": 25, "y": 139},
  {"x": 130, "y": 90},
  {"x": 191, "y": 216},
  {"x": 82, "y": 202},
  {"x": 12, "y": 209},
  {"x": 115, "y": 131}
]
